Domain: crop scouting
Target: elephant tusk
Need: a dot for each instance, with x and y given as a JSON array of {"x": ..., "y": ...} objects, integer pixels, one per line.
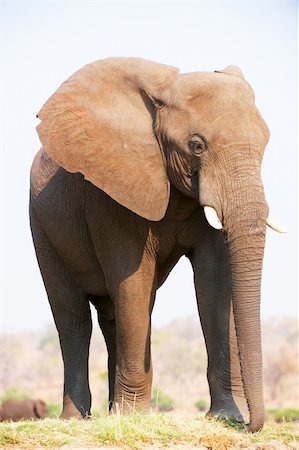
[
  {"x": 272, "y": 223},
  {"x": 212, "y": 217}
]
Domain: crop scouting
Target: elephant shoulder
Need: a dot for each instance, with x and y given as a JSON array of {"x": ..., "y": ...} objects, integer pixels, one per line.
[{"x": 43, "y": 169}]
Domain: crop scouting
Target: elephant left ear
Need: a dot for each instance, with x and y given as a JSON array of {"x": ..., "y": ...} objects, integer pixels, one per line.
[{"x": 232, "y": 70}]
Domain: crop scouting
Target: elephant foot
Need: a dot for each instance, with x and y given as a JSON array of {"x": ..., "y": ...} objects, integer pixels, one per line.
[
  {"x": 70, "y": 411},
  {"x": 225, "y": 414},
  {"x": 227, "y": 409}
]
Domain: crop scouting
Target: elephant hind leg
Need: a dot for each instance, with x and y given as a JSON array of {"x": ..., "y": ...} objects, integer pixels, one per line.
[
  {"x": 72, "y": 317},
  {"x": 105, "y": 311}
]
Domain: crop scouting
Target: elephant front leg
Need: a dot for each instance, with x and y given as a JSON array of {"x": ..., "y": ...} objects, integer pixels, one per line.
[
  {"x": 72, "y": 317},
  {"x": 213, "y": 290},
  {"x": 133, "y": 306}
]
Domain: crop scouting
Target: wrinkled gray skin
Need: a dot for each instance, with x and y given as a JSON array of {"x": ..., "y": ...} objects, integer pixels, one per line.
[
  {"x": 16, "y": 410},
  {"x": 92, "y": 249}
]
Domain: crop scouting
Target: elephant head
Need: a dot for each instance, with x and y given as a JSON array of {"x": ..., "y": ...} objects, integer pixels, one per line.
[{"x": 132, "y": 127}]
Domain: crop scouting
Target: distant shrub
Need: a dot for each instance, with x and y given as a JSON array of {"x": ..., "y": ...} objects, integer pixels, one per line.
[
  {"x": 161, "y": 401},
  {"x": 104, "y": 407},
  {"x": 54, "y": 410},
  {"x": 284, "y": 415},
  {"x": 104, "y": 376},
  {"x": 14, "y": 394},
  {"x": 201, "y": 405}
]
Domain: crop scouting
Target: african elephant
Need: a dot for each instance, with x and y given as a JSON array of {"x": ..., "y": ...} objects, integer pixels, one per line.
[
  {"x": 23, "y": 409},
  {"x": 135, "y": 158}
]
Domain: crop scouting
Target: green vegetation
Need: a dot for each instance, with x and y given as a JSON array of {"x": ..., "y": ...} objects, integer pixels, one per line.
[
  {"x": 139, "y": 431},
  {"x": 201, "y": 405},
  {"x": 13, "y": 394},
  {"x": 54, "y": 410},
  {"x": 284, "y": 415},
  {"x": 160, "y": 401}
]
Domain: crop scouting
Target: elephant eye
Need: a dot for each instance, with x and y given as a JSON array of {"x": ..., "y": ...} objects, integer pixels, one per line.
[{"x": 197, "y": 144}]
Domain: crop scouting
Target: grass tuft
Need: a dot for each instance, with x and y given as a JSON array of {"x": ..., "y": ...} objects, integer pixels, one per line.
[{"x": 284, "y": 415}]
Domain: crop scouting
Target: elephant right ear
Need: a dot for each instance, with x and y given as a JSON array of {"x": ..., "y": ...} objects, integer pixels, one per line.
[{"x": 97, "y": 123}]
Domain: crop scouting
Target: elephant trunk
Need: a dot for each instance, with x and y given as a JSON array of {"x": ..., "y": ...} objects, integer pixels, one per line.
[{"x": 245, "y": 228}]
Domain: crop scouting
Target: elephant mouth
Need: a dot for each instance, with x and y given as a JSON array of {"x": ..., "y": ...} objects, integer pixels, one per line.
[{"x": 213, "y": 220}]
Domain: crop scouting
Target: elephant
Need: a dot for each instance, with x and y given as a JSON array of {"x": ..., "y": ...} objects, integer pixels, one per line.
[
  {"x": 16, "y": 410},
  {"x": 139, "y": 166}
]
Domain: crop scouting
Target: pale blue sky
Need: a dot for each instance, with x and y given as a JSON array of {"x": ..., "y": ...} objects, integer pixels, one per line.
[{"x": 42, "y": 43}]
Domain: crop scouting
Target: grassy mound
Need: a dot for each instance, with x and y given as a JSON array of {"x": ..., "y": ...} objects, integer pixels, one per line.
[{"x": 143, "y": 432}]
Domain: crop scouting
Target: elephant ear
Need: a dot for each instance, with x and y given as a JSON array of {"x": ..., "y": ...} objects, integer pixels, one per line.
[
  {"x": 40, "y": 408},
  {"x": 232, "y": 70},
  {"x": 97, "y": 123}
]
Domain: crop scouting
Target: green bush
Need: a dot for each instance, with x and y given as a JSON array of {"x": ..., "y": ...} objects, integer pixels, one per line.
[
  {"x": 201, "y": 405},
  {"x": 54, "y": 410},
  {"x": 13, "y": 394},
  {"x": 161, "y": 401},
  {"x": 284, "y": 415},
  {"x": 104, "y": 407}
]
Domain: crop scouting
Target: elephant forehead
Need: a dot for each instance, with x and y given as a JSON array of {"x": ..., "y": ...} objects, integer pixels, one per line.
[
  {"x": 216, "y": 108},
  {"x": 220, "y": 106},
  {"x": 199, "y": 86}
]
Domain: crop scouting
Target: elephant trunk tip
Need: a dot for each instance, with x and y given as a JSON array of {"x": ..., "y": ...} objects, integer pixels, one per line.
[{"x": 255, "y": 424}]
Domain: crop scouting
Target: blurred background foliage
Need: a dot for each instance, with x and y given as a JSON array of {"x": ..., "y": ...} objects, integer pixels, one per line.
[{"x": 31, "y": 366}]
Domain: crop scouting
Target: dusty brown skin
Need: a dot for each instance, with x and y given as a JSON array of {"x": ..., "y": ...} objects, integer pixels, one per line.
[
  {"x": 132, "y": 152},
  {"x": 16, "y": 410}
]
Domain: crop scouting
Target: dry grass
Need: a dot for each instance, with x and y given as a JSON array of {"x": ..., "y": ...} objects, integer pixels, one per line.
[{"x": 143, "y": 432}]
